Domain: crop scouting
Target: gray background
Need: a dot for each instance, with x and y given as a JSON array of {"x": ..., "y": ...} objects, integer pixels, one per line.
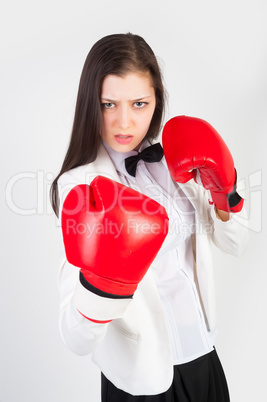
[{"x": 213, "y": 56}]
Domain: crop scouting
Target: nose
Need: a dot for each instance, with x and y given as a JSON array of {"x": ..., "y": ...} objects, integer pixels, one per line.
[{"x": 124, "y": 117}]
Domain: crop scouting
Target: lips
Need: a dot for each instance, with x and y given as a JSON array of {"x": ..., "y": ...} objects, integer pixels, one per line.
[{"x": 123, "y": 138}]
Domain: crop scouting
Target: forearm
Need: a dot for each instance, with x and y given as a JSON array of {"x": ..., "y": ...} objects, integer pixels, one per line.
[{"x": 222, "y": 215}]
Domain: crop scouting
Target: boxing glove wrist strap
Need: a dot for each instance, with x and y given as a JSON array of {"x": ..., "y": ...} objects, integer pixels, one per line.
[
  {"x": 230, "y": 202},
  {"x": 233, "y": 197},
  {"x": 99, "y": 292},
  {"x": 95, "y": 307}
]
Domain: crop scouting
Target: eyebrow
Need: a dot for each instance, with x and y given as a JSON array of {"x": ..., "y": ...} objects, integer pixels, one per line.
[{"x": 103, "y": 98}]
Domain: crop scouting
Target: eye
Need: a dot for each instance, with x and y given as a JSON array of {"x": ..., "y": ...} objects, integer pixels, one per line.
[
  {"x": 108, "y": 105},
  {"x": 140, "y": 105}
]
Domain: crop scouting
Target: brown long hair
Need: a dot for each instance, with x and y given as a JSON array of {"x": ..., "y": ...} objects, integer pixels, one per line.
[{"x": 115, "y": 54}]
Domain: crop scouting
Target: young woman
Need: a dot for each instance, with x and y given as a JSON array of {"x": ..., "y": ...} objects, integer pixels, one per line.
[{"x": 136, "y": 275}]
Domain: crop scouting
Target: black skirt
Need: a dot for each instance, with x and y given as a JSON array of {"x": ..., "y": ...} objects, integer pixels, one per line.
[{"x": 201, "y": 380}]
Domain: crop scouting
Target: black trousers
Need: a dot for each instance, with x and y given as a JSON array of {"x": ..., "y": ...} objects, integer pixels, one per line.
[{"x": 201, "y": 380}]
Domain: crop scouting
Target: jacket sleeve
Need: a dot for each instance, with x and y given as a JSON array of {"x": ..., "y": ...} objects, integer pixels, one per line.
[
  {"x": 79, "y": 334},
  {"x": 231, "y": 236}
]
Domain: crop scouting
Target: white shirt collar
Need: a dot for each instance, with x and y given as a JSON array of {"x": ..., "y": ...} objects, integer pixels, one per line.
[{"x": 118, "y": 158}]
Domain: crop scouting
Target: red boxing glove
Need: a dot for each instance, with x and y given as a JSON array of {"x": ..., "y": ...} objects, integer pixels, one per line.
[
  {"x": 190, "y": 143},
  {"x": 112, "y": 233}
]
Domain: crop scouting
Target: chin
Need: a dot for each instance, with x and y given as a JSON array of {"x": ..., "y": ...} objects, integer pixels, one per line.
[{"x": 124, "y": 148}]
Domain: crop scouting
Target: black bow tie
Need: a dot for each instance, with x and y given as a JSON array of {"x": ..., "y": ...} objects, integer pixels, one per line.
[{"x": 154, "y": 153}]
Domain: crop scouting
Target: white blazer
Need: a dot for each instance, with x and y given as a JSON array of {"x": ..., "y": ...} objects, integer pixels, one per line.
[{"x": 133, "y": 350}]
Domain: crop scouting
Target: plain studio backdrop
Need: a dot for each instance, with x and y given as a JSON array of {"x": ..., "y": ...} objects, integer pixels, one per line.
[{"x": 214, "y": 59}]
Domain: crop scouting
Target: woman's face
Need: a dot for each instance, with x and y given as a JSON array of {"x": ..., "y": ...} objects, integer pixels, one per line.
[{"x": 128, "y": 104}]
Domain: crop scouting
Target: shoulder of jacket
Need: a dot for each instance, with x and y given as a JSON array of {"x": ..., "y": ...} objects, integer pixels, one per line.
[
  {"x": 102, "y": 165},
  {"x": 74, "y": 175}
]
